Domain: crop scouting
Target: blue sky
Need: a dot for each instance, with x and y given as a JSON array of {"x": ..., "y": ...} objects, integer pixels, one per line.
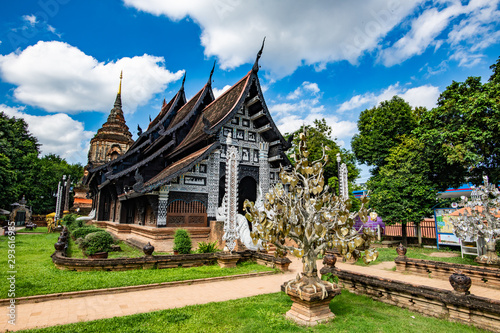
[{"x": 60, "y": 59}]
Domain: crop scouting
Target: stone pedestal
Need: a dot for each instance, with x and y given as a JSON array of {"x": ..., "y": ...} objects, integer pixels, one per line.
[
  {"x": 282, "y": 265},
  {"x": 227, "y": 260},
  {"x": 309, "y": 309}
]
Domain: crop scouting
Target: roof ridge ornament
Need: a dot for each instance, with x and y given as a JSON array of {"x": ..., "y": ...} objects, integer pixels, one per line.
[
  {"x": 255, "y": 67},
  {"x": 118, "y": 100},
  {"x": 183, "y": 80},
  {"x": 211, "y": 73}
]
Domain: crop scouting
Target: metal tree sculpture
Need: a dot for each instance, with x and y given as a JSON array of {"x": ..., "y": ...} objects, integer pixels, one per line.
[
  {"x": 481, "y": 218},
  {"x": 302, "y": 209}
]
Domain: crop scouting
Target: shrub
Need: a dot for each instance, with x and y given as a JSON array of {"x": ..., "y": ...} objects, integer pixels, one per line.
[
  {"x": 95, "y": 242},
  {"x": 84, "y": 231},
  {"x": 182, "y": 241},
  {"x": 71, "y": 222},
  {"x": 210, "y": 247}
]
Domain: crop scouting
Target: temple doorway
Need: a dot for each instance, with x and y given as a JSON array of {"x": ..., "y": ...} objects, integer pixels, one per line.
[{"x": 247, "y": 189}]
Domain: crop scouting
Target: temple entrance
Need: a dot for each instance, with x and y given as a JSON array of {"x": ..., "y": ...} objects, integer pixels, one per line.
[
  {"x": 130, "y": 214},
  {"x": 247, "y": 189},
  {"x": 20, "y": 218},
  {"x": 222, "y": 189},
  {"x": 183, "y": 214}
]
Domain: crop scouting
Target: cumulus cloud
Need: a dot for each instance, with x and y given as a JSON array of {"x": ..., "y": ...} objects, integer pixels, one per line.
[
  {"x": 57, "y": 133},
  {"x": 426, "y": 96},
  {"x": 289, "y": 116},
  {"x": 474, "y": 26},
  {"x": 59, "y": 77},
  {"x": 297, "y": 33},
  {"x": 306, "y": 87},
  {"x": 218, "y": 92}
]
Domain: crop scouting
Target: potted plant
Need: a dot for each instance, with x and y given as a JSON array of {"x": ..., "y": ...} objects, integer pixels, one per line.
[
  {"x": 97, "y": 244},
  {"x": 182, "y": 242}
]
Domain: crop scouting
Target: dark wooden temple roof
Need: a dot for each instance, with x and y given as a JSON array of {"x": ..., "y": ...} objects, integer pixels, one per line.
[
  {"x": 216, "y": 112},
  {"x": 165, "y": 107},
  {"x": 183, "y": 134},
  {"x": 178, "y": 168}
]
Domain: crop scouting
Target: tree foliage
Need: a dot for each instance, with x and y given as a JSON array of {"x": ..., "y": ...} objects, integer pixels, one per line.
[
  {"x": 419, "y": 152},
  {"x": 380, "y": 129},
  {"x": 319, "y": 136},
  {"x": 402, "y": 192},
  {"x": 22, "y": 172},
  {"x": 464, "y": 130}
]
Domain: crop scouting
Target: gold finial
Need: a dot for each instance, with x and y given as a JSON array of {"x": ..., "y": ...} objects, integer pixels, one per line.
[{"x": 120, "y": 87}]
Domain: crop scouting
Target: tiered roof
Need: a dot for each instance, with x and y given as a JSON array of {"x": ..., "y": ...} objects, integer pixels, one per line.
[{"x": 185, "y": 133}]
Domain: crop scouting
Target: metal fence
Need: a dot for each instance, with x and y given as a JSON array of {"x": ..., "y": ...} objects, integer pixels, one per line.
[{"x": 427, "y": 226}]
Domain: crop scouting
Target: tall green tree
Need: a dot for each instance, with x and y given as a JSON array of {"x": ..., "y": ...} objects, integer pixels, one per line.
[
  {"x": 402, "y": 192},
  {"x": 18, "y": 147},
  {"x": 464, "y": 132},
  {"x": 45, "y": 175},
  {"x": 321, "y": 135},
  {"x": 22, "y": 172},
  {"x": 380, "y": 129}
]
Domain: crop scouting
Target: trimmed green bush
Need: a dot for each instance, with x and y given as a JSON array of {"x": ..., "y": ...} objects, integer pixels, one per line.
[
  {"x": 84, "y": 231},
  {"x": 182, "y": 241},
  {"x": 71, "y": 222},
  {"x": 95, "y": 242},
  {"x": 210, "y": 247}
]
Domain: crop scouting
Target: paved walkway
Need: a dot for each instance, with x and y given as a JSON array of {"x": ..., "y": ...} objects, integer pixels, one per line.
[{"x": 64, "y": 311}]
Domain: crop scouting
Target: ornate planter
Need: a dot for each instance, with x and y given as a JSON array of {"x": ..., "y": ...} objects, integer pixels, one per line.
[
  {"x": 148, "y": 249},
  {"x": 401, "y": 250},
  {"x": 227, "y": 260},
  {"x": 329, "y": 259},
  {"x": 59, "y": 246},
  {"x": 99, "y": 255},
  {"x": 311, "y": 306},
  {"x": 460, "y": 282}
]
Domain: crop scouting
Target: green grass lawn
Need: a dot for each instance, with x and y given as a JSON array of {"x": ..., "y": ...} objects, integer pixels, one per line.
[
  {"x": 36, "y": 274},
  {"x": 266, "y": 313},
  {"x": 389, "y": 254},
  {"x": 38, "y": 229},
  {"x": 126, "y": 252}
]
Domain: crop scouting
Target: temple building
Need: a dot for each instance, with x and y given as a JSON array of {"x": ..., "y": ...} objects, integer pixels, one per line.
[
  {"x": 113, "y": 139},
  {"x": 174, "y": 174}
]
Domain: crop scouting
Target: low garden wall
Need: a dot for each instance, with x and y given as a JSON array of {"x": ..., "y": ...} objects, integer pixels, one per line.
[
  {"x": 480, "y": 275},
  {"x": 454, "y": 306},
  {"x": 63, "y": 262},
  {"x": 161, "y": 238}
]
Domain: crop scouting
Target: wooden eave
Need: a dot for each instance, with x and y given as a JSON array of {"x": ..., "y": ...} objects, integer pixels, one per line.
[{"x": 178, "y": 168}]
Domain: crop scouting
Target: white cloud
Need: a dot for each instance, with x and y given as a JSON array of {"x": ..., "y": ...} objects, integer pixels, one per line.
[
  {"x": 218, "y": 92},
  {"x": 290, "y": 116},
  {"x": 306, "y": 87},
  {"x": 297, "y": 33},
  {"x": 31, "y": 19},
  {"x": 474, "y": 26},
  {"x": 421, "y": 96},
  {"x": 59, "y": 77},
  {"x": 57, "y": 133},
  {"x": 426, "y": 96}
]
